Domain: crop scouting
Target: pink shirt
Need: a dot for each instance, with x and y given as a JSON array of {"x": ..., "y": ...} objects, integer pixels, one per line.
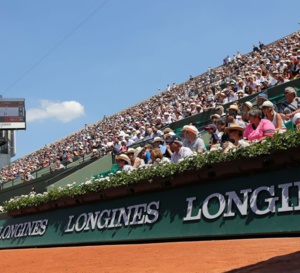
[{"x": 264, "y": 128}]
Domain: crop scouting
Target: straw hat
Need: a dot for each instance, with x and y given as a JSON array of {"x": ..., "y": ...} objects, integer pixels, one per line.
[
  {"x": 130, "y": 150},
  {"x": 233, "y": 107},
  {"x": 234, "y": 126},
  {"x": 214, "y": 116},
  {"x": 123, "y": 157},
  {"x": 137, "y": 151},
  {"x": 248, "y": 104},
  {"x": 158, "y": 139}
]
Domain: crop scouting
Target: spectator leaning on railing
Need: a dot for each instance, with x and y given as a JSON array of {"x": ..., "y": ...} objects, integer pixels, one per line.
[
  {"x": 57, "y": 166},
  {"x": 291, "y": 105}
]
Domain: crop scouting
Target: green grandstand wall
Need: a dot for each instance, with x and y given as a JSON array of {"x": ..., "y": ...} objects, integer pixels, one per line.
[
  {"x": 101, "y": 165},
  {"x": 79, "y": 168},
  {"x": 252, "y": 205}
]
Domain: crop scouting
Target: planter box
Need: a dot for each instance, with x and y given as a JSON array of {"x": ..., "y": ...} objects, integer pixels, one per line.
[
  {"x": 186, "y": 178},
  {"x": 91, "y": 197},
  {"x": 30, "y": 210},
  {"x": 15, "y": 212},
  {"x": 280, "y": 159},
  {"x": 115, "y": 192},
  {"x": 295, "y": 154},
  {"x": 145, "y": 186},
  {"x": 223, "y": 169},
  {"x": 47, "y": 206},
  {"x": 67, "y": 201}
]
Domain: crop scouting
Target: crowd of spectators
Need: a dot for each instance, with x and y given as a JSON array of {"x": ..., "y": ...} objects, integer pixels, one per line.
[{"x": 238, "y": 77}]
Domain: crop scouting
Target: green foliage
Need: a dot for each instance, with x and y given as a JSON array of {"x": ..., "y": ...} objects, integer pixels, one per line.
[{"x": 279, "y": 142}]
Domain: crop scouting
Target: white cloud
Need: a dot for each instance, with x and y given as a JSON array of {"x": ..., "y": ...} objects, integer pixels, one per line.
[{"x": 63, "y": 111}]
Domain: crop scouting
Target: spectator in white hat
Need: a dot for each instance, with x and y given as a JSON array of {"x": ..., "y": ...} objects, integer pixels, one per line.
[
  {"x": 220, "y": 110},
  {"x": 191, "y": 139},
  {"x": 270, "y": 114},
  {"x": 193, "y": 108},
  {"x": 296, "y": 121},
  {"x": 133, "y": 135},
  {"x": 95, "y": 154},
  {"x": 241, "y": 94},
  {"x": 158, "y": 122},
  {"x": 166, "y": 118}
]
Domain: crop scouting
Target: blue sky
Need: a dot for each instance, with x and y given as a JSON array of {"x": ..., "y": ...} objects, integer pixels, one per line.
[{"x": 76, "y": 60}]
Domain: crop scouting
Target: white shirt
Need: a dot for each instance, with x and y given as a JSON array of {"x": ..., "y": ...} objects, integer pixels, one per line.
[
  {"x": 129, "y": 142},
  {"x": 183, "y": 152},
  {"x": 164, "y": 159},
  {"x": 234, "y": 97},
  {"x": 138, "y": 139},
  {"x": 167, "y": 120},
  {"x": 127, "y": 168}
]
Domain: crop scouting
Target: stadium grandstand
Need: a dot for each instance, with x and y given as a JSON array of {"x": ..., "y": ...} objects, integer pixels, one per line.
[{"x": 267, "y": 70}]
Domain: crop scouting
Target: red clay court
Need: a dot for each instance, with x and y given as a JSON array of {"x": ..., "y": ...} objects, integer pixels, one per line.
[{"x": 245, "y": 256}]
